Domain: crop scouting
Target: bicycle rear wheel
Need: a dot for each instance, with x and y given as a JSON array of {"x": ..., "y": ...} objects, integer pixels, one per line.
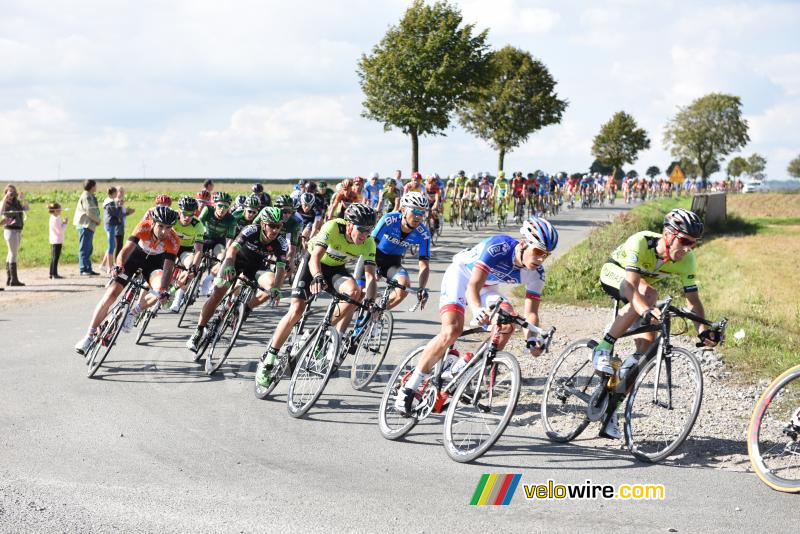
[
  {"x": 314, "y": 368},
  {"x": 772, "y": 437},
  {"x": 106, "y": 339},
  {"x": 481, "y": 408},
  {"x": 290, "y": 351},
  {"x": 567, "y": 392},
  {"x": 371, "y": 351},
  {"x": 223, "y": 342},
  {"x": 392, "y": 424},
  {"x": 190, "y": 296},
  {"x": 661, "y": 410},
  {"x": 149, "y": 313}
]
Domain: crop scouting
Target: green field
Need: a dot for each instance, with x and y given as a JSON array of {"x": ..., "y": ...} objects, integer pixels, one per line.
[
  {"x": 747, "y": 272},
  {"x": 35, "y": 249}
]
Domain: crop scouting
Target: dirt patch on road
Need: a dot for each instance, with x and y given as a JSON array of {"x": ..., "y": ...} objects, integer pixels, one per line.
[{"x": 39, "y": 288}]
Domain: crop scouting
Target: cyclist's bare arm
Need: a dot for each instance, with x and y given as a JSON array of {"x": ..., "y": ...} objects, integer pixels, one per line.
[
  {"x": 696, "y": 307},
  {"x": 637, "y": 299},
  {"x": 424, "y": 272},
  {"x": 476, "y": 282},
  {"x": 125, "y": 253},
  {"x": 371, "y": 281}
]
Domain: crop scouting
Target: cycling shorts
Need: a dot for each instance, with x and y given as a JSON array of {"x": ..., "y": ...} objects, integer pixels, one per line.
[
  {"x": 334, "y": 277},
  {"x": 453, "y": 291},
  {"x": 139, "y": 260},
  {"x": 215, "y": 245}
]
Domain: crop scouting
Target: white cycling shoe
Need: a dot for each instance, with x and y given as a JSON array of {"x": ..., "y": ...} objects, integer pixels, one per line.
[
  {"x": 601, "y": 360},
  {"x": 611, "y": 428},
  {"x": 83, "y": 345}
]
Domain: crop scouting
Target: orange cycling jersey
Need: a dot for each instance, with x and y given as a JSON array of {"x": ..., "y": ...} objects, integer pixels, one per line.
[
  {"x": 347, "y": 197},
  {"x": 143, "y": 236},
  {"x": 413, "y": 186},
  {"x": 433, "y": 191}
]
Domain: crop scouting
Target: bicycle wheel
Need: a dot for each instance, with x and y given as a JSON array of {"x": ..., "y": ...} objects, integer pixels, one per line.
[
  {"x": 314, "y": 367},
  {"x": 567, "y": 392},
  {"x": 393, "y": 425},
  {"x": 772, "y": 437},
  {"x": 290, "y": 350},
  {"x": 106, "y": 339},
  {"x": 190, "y": 296},
  {"x": 481, "y": 408},
  {"x": 223, "y": 342},
  {"x": 149, "y": 313},
  {"x": 661, "y": 410},
  {"x": 453, "y": 211},
  {"x": 371, "y": 351}
]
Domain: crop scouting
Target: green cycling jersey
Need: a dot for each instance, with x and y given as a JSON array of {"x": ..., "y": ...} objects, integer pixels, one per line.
[
  {"x": 291, "y": 230},
  {"x": 218, "y": 228},
  {"x": 191, "y": 233},
  {"x": 339, "y": 249}
]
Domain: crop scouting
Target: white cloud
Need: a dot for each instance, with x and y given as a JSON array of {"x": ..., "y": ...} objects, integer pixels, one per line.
[{"x": 509, "y": 16}]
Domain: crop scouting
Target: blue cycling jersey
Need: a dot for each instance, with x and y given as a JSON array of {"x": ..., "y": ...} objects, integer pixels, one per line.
[
  {"x": 495, "y": 255},
  {"x": 390, "y": 241},
  {"x": 372, "y": 193}
]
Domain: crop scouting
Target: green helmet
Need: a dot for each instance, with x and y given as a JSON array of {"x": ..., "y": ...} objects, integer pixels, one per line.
[
  {"x": 222, "y": 197},
  {"x": 270, "y": 215},
  {"x": 252, "y": 202},
  {"x": 284, "y": 201}
]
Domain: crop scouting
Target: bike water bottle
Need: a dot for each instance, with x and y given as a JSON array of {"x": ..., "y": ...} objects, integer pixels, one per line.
[
  {"x": 450, "y": 359},
  {"x": 459, "y": 365}
]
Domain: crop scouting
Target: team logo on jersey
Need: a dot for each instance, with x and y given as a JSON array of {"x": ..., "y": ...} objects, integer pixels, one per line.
[
  {"x": 498, "y": 249},
  {"x": 633, "y": 257}
]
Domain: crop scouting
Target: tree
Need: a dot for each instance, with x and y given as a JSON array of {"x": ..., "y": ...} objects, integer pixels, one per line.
[
  {"x": 706, "y": 131},
  {"x": 737, "y": 166},
  {"x": 421, "y": 70},
  {"x": 794, "y": 168},
  {"x": 652, "y": 171},
  {"x": 756, "y": 165},
  {"x": 602, "y": 168},
  {"x": 619, "y": 141},
  {"x": 518, "y": 99},
  {"x": 632, "y": 174}
]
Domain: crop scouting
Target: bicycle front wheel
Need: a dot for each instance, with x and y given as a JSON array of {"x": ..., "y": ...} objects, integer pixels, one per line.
[
  {"x": 290, "y": 350},
  {"x": 481, "y": 408},
  {"x": 663, "y": 405},
  {"x": 189, "y": 296},
  {"x": 569, "y": 387},
  {"x": 392, "y": 424},
  {"x": 371, "y": 351},
  {"x": 225, "y": 338},
  {"x": 314, "y": 368},
  {"x": 772, "y": 437},
  {"x": 106, "y": 339}
]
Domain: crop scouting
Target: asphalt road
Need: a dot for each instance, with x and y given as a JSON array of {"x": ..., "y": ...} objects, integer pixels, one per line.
[{"x": 153, "y": 444}]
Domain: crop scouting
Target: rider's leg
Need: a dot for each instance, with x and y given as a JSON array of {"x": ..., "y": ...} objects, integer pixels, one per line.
[
  {"x": 397, "y": 295},
  {"x": 344, "y": 311},
  {"x": 101, "y": 310},
  {"x": 217, "y": 292},
  {"x": 266, "y": 280},
  {"x": 452, "y": 326}
]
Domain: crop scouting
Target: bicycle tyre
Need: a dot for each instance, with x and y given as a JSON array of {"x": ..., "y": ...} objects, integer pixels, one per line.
[
  {"x": 285, "y": 354},
  {"x": 190, "y": 296},
  {"x": 303, "y": 392},
  {"x": 572, "y": 378},
  {"x": 392, "y": 425},
  {"x": 639, "y": 445},
  {"x": 149, "y": 313},
  {"x": 110, "y": 333},
  {"x": 761, "y": 429},
  {"x": 364, "y": 367},
  {"x": 231, "y": 325},
  {"x": 467, "y": 448}
]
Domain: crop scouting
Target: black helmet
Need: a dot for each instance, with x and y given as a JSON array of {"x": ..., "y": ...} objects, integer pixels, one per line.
[
  {"x": 253, "y": 202},
  {"x": 165, "y": 215},
  {"x": 308, "y": 199},
  {"x": 284, "y": 201},
  {"x": 222, "y": 197},
  {"x": 684, "y": 221},
  {"x": 360, "y": 215},
  {"x": 187, "y": 203},
  {"x": 258, "y": 188}
]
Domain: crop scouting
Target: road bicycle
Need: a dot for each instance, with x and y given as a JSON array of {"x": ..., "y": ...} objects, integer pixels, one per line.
[
  {"x": 519, "y": 209},
  {"x": 469, "y": 221},
  {"x": 501, "y": 214},
  {"x": 142, "y": 321},
  {"x": 224, "y": 327},
  {"x": 773, "y": 436},
  {"x": 662, "y": 389},
  {"x": 454, "y": 218},
  {"x": 193, "y": 289},
  {"x": 480, "y": 399},
  {"x": 110, "y": 327}
]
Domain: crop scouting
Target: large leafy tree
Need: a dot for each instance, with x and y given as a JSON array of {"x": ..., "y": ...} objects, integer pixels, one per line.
[
  {"x": 756, "y": 165},
  {"x": 706, "y": 131},
  {"x": 652, "y": 171},
  {"x": 519, "y": 99},
  {"x": 602, "y": 168},
  {"x": 619, "y": 142},
  {"x": 737, "y": 167},
  {"x": 421, "y": 70},
  {"x": 794, "y": 168}
]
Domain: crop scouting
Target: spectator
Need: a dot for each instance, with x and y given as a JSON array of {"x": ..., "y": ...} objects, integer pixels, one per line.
[
  {"x": 58, "y": 226},
  {"x": 208, "y": 185},
  {"x": 12, "y": 209},
  {"x": 113, "y": 219},
  {"x": 125, "y": 212},
  {"x": 86, "y": 219}
]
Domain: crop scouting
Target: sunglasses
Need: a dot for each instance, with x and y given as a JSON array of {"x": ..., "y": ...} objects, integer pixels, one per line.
[
  {"x": 364, "y": 229},
  {"x": 539, "y": 252},
  {"x": 685, "y": 241},
  {"x": 223, "y": 206},
  {"x": 251, "y": 212},
  {"x": 417, "y": 212},
  {"x": 187, "y": 213},
  {"x": 274, "y": 226}
]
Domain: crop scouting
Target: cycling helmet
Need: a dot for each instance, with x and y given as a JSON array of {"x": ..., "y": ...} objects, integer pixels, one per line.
[
  {"x": 222, "y": 197},
  {"x": 501, "y": 174},
  {"x": 374, "y": 175},
  {"x": 240, "y": 201},
  {"x": 473, "y": 176},
  {"x": 258, "y": 188},
  {"x": 684, "y": 221},
  {"x": 163, "y": 200},
  {"x": 462, "y": 173},
  {"x": 323, "y": 185},
  {"x": 311, "y": 187},
  {"x": 204, "y": 195},
  {"x": 270, "y": 215},
  {"x": 360, "y": 214},
  {"x": 187, "y": 203},
  {"x": 346, "y": 183},
  {"x": 390, "y": 182},
  {"x": 540, "y": 233},
  {"x": 308, "y": 199},
  {"x": 416, "y": 175},
  {"x": 431, "y": 178},
  {"x": 164, "y": 215},
  {"x": 284, "y": 201},
  {"x": 253, "y": 202},
  {"x": 414, "y": 200},
  {"x": 358, "y": 180}
]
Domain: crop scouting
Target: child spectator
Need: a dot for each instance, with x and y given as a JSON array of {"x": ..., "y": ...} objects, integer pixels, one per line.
[{"x": 58, "y": 226}]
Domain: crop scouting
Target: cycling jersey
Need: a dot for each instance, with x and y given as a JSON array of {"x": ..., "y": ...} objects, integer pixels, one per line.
[
  {"x": 309, "y": 218},
  {"x": 501, "y": 186},
  {"x": 147, "y": 242},
  {"x": 338, "y": 248},
  {"x": 413, "y": 186},
  {"x": 372, "y": 194},
  {"x": 191, "y": 233},
  {"x": 518, "y": 186},
  {"x": 390, "y": 239},
  {"x": 241, "y": 222},
  {"x": 218, "y": 228},
  {"x": 433, "y": 191},
  {"x": 389, "y": 196},
  {"x": 291, "y": 230},
  {"x": 345, "y": 198},
  {"x": 638, "y": 254},
  {"x": 461, "y": 182},
  {"x": 254, "y": 252}
]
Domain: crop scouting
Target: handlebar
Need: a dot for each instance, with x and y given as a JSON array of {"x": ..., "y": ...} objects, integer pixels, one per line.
[
  {"x": 505, "y": 317},
  {"x": 720, "y": 326}
]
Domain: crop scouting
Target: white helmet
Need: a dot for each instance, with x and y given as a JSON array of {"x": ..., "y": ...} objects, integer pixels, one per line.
[
  {"x": 414, "y": 200},
  {"x": 473, "y": 176},
  {"x": 374, "y": 175}
]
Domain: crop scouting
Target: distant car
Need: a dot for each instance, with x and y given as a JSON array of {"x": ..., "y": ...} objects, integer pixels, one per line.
[{"x": 755, "y": 187}]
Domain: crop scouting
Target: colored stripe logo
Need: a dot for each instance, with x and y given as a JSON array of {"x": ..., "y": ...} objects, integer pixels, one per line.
[{"x": 495, "y": 489}]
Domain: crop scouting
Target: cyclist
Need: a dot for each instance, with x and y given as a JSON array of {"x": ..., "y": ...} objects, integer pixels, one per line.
[
  {"x": 324, "y": 194},
  {"x": 372, "y": 191},
  {"x": 220, "y": 230},
  {"x": 249, "y": 254},
  {"x": 415, "y": 184},
  {"x": 291, "y": 229},
  {"x": 471, "y": 281},
  {"x": 434, "y": 193},
  {"x": 152, "y": 247},
  {"x": 484, "y": 190},
  {"x": 309, "y": 216},
  {"x": 338, "y": 241},
  {"x": 345, "y": 197},
  {"x": 628, "y": 276},
  {"x": 160, "y": 200},
  {"x": 518, "y": 184},
  {"x": 390, "y": 199},
  {"x": 203, "y": 199},
  {"x": 263, "y": 197},
  {"x": 471, "y": 192},
  {"x": 191, "y": 233},
  {"x": 247, "y": 211},
  {"x": 501, "y": 189}
]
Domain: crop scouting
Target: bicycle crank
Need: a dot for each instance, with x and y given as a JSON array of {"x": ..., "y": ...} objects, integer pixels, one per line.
[{"x": 598, "y": 404}]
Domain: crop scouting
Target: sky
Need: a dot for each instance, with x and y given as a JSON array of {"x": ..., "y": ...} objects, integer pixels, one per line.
[{"x": 267, "y": 88}]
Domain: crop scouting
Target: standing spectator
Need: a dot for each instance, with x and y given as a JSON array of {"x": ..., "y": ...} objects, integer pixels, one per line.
[
  {"x": 208, "y": 185},
  {"x": 13, "y": 207},
  {"x": 113, "y": 218},
  {"x": 398, "y": 179},
  {"x": 86, "y": 219},
  {"x": 58, "y": 226},
  {"x": 125, "y": 212}
]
